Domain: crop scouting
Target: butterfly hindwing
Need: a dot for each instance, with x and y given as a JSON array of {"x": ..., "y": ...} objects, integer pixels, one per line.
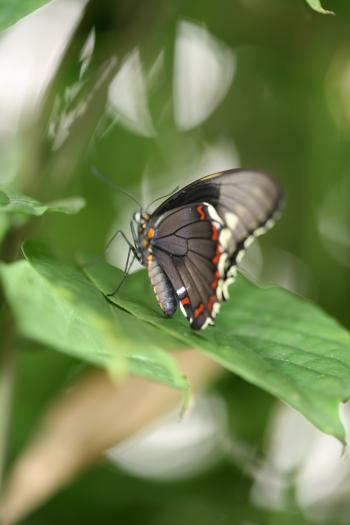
[{"x": 187, "y": 247}]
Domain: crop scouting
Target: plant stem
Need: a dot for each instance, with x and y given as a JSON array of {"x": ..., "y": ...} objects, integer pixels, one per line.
[{"x": 7, "y": 380}]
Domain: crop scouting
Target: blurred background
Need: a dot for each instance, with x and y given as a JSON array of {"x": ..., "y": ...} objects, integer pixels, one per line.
[{"x": 157, "y": 94}]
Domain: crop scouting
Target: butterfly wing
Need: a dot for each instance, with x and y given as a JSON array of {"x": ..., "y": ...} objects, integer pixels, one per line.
[{"x": 202, "y": 232}]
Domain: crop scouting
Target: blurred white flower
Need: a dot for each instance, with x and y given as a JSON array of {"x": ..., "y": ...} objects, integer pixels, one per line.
[
  {"x": 174, "y": 449},
  {"x": 128, "y": 99},
  {"x": 203, "y": 73},
  {"x": 299, "y": 455},
  {"x": 29, "y": 54}
]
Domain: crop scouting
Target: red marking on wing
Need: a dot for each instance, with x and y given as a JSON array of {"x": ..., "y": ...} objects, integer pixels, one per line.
[
  {"x": 215, "y": 281},
  {"x": 214, "y": 237},
  {"x": 185, "y": 300},
  {"x": 201, "y": 212},
  {"x": 212, "y": 300},
  {"x": 199, "y": 310},
  {"x": 216, "y": 257}
]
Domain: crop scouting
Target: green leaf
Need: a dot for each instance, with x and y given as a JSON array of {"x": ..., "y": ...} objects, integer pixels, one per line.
[
  {"x": 13, "y": 10},
  {"x": 316, "y": 5},
  {"x": 17, "y": 203},
  {"x": 268, "y": 336},
  {"x": 69, "y": 206},
  {"x": 55, "y": 304}
]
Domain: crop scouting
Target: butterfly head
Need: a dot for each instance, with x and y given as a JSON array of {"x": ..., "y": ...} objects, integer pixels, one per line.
[{"x": 139, "y": 233}]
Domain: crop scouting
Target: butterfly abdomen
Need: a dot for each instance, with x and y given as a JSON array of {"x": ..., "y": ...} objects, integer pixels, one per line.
[{"x": 161, "y": 287}]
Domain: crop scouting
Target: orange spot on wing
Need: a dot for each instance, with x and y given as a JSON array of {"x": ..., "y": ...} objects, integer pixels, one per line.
[
  {"x": 185, "y": 300},
  {"x": 214, "y": 237},
  {"x": 201, "y": 212},
  {"x": 216, "y": 257},
  {"x": 150, "y": 233},
  {"x": 199, "y": 310}
]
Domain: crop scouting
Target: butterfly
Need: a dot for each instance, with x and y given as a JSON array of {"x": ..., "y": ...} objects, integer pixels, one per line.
[{"x": 192, "y": 243}]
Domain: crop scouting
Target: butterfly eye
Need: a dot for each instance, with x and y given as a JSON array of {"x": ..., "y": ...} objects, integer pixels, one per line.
[{"x": 137, "y": 216}]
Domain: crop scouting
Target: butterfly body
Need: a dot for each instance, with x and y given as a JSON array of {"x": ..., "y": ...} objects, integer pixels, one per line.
[
  {"x": 191, "y": 244},
  {"x": 162, "y": 288}
]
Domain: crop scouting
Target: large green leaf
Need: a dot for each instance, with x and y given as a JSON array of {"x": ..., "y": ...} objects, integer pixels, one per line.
[
  {"x": 316, "y": 5},
  {"x": 13, "y": 10},
  {"x": 55, "y": 304},
  {"x": 17, "y": 203},
  {"x": 268, "y": 336}
]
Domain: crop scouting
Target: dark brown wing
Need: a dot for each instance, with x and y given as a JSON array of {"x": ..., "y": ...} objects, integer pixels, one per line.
[
  {"x": 199, "y": 244},
  {"x": 225, "y": 184},
  {"x": 186, "y": 245}
]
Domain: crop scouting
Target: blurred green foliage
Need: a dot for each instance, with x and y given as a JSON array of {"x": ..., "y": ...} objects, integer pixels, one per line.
[
  {"x": 11, "y": 12},
  {"x": 287, "y": 113}
]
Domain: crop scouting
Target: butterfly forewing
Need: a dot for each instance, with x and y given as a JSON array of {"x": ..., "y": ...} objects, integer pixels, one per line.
[{"x": 201, "y": 232}]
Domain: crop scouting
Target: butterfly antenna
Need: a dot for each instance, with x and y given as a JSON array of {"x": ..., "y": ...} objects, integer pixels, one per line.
[
  {"x": 164, "y": 196},
  {"x": 99, "y": 175}
]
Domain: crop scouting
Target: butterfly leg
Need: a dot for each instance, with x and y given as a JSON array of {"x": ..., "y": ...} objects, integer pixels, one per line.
[
  {"x": 114, "y": 236},
  {"x": 127, "y": 268},
  {"x": 101, "y": 257}
]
